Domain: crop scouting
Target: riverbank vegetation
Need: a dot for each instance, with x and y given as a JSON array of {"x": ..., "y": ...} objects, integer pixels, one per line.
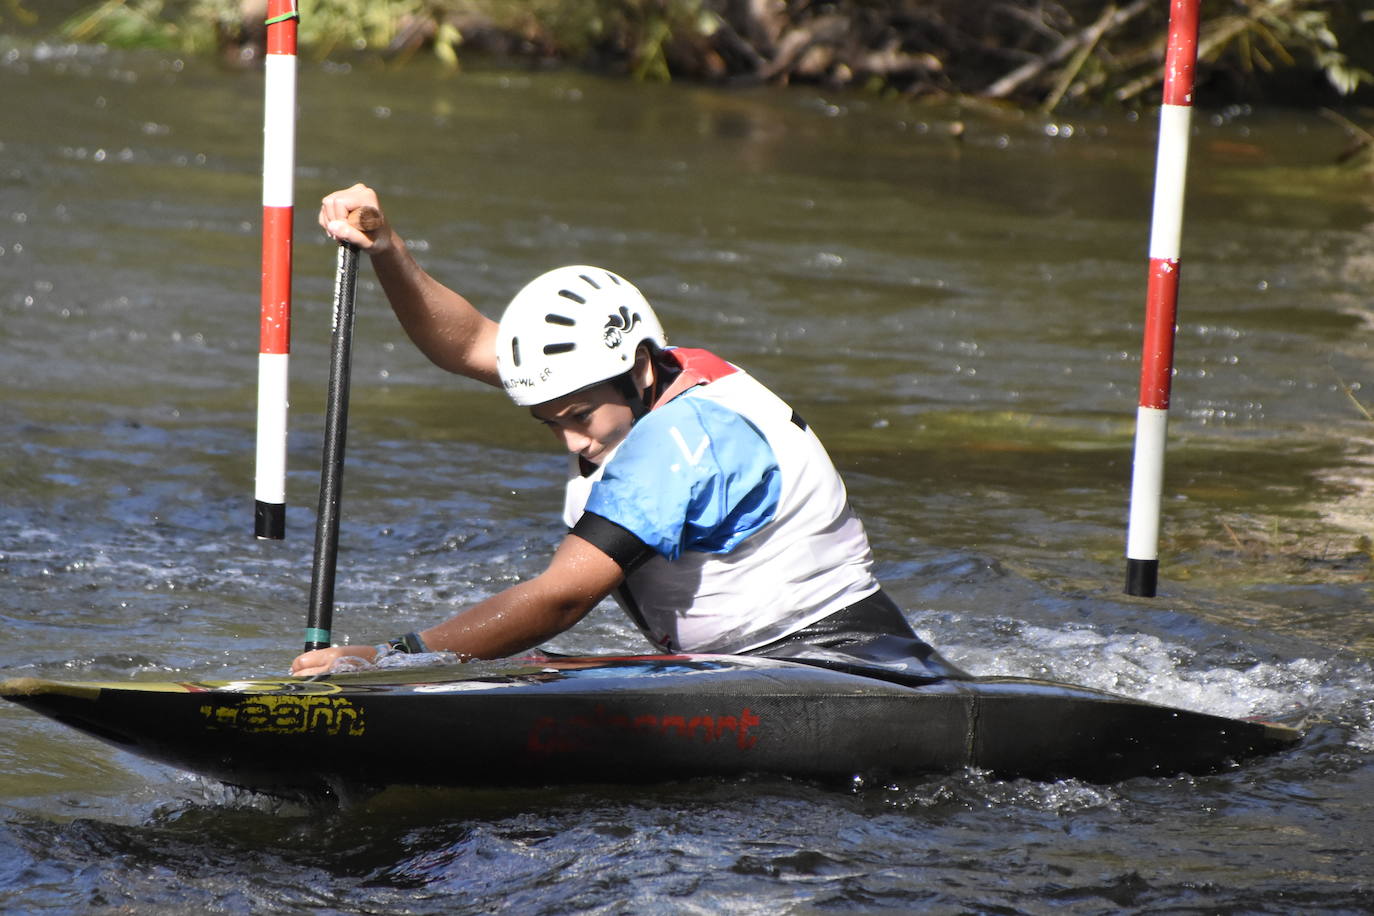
[{"x": 1034, "y": 53}]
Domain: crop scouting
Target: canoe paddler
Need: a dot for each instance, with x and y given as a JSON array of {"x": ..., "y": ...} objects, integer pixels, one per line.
[{"x": 696, "y": 497}]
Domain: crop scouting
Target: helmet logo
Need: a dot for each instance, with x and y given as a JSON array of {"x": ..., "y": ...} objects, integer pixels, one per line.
[{"x": 617, "y": 325}]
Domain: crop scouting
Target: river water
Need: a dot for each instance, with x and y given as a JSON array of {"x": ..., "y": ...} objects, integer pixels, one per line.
[{"x": 958, "y": 314}]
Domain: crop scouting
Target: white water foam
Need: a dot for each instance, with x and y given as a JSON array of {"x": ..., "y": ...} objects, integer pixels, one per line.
[
  {"x": 352, "y": 663},
  {"x": 1146, "y": 667}
]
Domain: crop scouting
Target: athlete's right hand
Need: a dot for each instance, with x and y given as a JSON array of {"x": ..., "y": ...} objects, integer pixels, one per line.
[
  {"x": 334, "y": 210},
  {"x": 321, "y": 661}
]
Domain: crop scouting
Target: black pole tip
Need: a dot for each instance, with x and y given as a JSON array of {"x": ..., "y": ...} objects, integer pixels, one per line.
[
  {"x": 1142, "y": 577},
  {"x": 269, "y": 520}
]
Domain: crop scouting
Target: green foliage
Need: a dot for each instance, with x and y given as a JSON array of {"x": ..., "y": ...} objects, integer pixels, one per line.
[
  {"x": 152, "y": 23},
  {"x": 325, "y": 26},
  {"x": 360, "y": 25},
  {"x": 1268, "y": 35},
  {"x": 13, "y": 11},
  {"x": 1034, "y": 51},
  {"x": 639, "y": 32}
]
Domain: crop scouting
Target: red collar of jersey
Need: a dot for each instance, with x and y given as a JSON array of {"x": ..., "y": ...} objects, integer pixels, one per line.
[{"x": 696, "y": 367}]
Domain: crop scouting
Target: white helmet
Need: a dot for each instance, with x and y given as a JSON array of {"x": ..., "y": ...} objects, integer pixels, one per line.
[{"x": 569, "y": 329}]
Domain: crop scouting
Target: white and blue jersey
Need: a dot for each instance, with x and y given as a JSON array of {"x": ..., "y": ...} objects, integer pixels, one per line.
[{"x": 750, "y": 528}]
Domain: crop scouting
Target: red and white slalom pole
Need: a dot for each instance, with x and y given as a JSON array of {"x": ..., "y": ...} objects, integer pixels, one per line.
[
  {"x": 278, "y": 166},
  {"x": 1161, "y": 300}
]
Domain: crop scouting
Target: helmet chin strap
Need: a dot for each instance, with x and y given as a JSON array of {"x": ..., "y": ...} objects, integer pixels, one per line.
[
  {"x": 638, "y": 397},
  {"x": 635, "y": 397}
]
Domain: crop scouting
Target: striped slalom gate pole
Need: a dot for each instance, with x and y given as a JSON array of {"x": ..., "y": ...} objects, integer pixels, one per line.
[
  {"x": 278, "y": 164},
  {"x": 1161, "y": 301}
]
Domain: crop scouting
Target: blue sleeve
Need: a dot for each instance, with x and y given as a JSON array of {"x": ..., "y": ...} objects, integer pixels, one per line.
[{"x": 692, "y": 475}]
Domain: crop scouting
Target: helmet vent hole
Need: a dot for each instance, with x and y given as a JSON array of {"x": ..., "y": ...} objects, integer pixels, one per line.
[
  {"x": 555, "y": 349},
  {"x": 569, "y": 294},
  {"x": 564, "y": 320}
]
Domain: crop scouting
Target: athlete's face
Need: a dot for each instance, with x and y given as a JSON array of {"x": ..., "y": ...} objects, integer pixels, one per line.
[{"x": 589, "y": 423}]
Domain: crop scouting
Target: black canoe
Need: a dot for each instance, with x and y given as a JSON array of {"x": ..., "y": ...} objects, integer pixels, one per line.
[{"x": 573, "y": 720}]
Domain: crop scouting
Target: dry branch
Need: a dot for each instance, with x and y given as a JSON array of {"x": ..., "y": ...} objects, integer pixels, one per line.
[{"x": 1110, "y": 20}]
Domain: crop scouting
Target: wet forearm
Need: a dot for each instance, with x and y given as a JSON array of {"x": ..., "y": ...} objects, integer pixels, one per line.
[{"x": 517, "y": 619}]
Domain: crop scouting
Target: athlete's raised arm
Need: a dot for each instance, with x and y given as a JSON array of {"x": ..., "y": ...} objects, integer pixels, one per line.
[{"x": 441, "y": 323}]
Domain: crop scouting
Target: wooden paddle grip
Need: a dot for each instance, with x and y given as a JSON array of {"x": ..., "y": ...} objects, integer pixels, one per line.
[{"x": 367, "y": 219}]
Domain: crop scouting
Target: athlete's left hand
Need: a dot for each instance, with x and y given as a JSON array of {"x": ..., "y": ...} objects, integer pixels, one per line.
[{"x": 321, "y": 661}]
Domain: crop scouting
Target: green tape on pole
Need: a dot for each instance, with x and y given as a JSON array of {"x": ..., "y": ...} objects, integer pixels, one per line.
[
  {"x": 315, "y": 634},
  {"x": 283, "y": 17}
]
